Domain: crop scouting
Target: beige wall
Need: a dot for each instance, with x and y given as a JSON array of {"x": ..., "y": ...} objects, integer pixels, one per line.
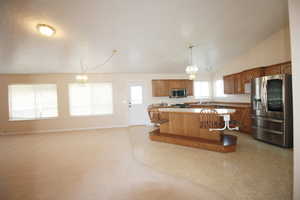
[
  {"x": 274, "y": 49},
  {"x": 65, "y": 121},
  {"x": 294, "y": 8}
]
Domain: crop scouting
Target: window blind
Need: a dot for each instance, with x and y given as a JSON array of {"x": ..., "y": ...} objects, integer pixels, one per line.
[
  {"x": 91, "y": 99},
  {"x": 33, "y": 101}
]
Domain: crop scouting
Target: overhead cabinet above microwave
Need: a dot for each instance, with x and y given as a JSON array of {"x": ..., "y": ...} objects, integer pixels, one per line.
[{"x": 164, "y": 87}]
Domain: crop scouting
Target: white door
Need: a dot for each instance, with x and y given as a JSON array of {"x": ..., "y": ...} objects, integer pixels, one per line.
[{"x": 136, "y": 104}]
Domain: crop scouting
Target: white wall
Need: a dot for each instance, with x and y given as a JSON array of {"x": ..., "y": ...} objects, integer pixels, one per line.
[
  {"x": 64, "y": 120},
  {"x": 274, "y": 49},
  {"x": 294, "y": 8}
]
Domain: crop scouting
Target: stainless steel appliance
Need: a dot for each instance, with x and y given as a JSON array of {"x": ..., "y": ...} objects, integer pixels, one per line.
[
  {"x": 272, "y": 109},
  {"x": 178, "y": 93}
]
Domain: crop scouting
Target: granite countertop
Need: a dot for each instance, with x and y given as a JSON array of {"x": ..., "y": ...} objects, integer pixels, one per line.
[
  {"x": 223, "y": 105},
  {"x": 223, "y": 111}
]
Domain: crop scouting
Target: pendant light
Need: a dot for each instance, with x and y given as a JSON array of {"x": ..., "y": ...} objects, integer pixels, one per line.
[{"x": 191, "y": 69}]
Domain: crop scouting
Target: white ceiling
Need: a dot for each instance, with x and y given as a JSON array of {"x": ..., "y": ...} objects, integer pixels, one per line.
[{"x": 150, "y": 35}]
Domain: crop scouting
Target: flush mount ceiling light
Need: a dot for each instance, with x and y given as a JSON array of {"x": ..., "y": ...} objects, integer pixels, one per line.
[
  {"x": 46, "y": 30},
  {"x": 191, "y": 69}
]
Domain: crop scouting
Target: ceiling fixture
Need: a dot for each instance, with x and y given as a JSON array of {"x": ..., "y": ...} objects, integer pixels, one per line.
[
  {"x": 191, "y": 69},
  {"x": 46, "y": 30},
  {"x": 83, "y": 77}
]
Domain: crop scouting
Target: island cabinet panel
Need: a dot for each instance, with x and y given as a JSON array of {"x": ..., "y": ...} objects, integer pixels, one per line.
[
  {"x": 162, "y": 88},
  {"x": 191, "y": 125},
  {"x": 188, "y": 124},
  {"x": 176, "y": 124}
]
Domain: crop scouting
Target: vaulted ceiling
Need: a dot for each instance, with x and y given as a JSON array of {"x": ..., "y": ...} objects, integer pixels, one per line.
[{"x": 150, "y": 36}]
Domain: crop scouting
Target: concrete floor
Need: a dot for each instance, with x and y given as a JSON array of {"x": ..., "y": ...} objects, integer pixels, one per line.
[{"x": 122, "y": 163}]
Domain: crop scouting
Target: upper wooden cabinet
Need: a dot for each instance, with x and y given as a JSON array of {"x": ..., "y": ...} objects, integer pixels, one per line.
[
  {"x": 189, "y": 85},
  {"x": 239, "y": 83},
  {"x": 176, "y": 84},
  {"x": 250, "y": 74},
  {"x": 272, "y": 70},
  {"x": 229, "y": 84},
  {"x": 235, "y": 83},
  {"x": 286, "y": 68},
  {"x": 162, "y": 88}
]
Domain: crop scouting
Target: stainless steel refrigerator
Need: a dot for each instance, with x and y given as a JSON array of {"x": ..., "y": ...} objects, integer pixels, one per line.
[{"x": 272, "y": 109}]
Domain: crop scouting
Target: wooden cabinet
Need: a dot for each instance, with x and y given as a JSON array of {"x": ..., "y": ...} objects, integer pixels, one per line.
[
  {"x": 238, "y": 84},
  {"x": 176, "y": 84},
  {"x": 286, "y": 68},
  {"x": 189, "y": 85},
  {"x": 248, "y": 75},
  {"x": 228, "y": 84},
  {"x": 272, "y": 70},
  {"x": 242, "y": 118},
  {"x": 162, "y": 88},
  {"x": 233, "y": 84}
]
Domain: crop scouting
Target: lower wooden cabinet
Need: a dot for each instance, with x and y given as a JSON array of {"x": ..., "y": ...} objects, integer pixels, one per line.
[{"x": 243, "y": 118}]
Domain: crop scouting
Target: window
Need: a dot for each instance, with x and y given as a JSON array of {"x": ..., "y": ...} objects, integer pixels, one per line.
[
  {"x": 90, "y": 99},
  {"x": 136, "y": 94},
  {"x": 32, "y": 101},
  {"x": 219, "y": 88},
  {"x": 201, "y": 89}
]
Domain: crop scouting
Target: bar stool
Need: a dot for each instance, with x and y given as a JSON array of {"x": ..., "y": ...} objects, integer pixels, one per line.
[
  {"x": 209, "y": 118},
  {"x": 155, "y": 117}
]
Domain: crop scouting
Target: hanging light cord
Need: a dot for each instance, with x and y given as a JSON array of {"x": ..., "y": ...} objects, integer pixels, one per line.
[
  {"x": 191, "y": 47},
  {"x": 84, "y": 69}
]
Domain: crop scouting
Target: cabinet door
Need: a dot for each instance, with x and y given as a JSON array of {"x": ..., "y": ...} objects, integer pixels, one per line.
[
  {"x": 228, "y": 84},
  {"x": 252, "y": 73},
  {"x": 176, "y": 84},
  {"x": 160, "y": 88},
  {"x": 238, "y": 84},
  {"x": 286, "y": 68},
  {"x": 189, "y": 85},
  {"x": 272, "y": 70}
]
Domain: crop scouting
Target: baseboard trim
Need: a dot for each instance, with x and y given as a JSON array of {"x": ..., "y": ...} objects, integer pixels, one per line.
[{"x": 60, "y": 130}]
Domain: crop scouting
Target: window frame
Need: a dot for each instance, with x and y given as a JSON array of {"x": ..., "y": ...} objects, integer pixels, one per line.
[
  {"x": 215, "y": 90},
  {"x": 10, "y": 119},
  {"x": 209, "y": 90},
  {"x": 91, "y": 115}
]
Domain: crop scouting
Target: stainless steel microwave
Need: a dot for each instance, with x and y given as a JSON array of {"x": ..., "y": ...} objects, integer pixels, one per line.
[{"x": 178, "y": 93}]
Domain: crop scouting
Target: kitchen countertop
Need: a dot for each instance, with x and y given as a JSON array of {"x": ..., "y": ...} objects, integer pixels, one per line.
[
  {"x": 223, "y": 111},
  {"x": 223, "y": 105}
]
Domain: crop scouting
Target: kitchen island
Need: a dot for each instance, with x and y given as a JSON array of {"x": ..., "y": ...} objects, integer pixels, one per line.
[{"x": 183, "y": 126}]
